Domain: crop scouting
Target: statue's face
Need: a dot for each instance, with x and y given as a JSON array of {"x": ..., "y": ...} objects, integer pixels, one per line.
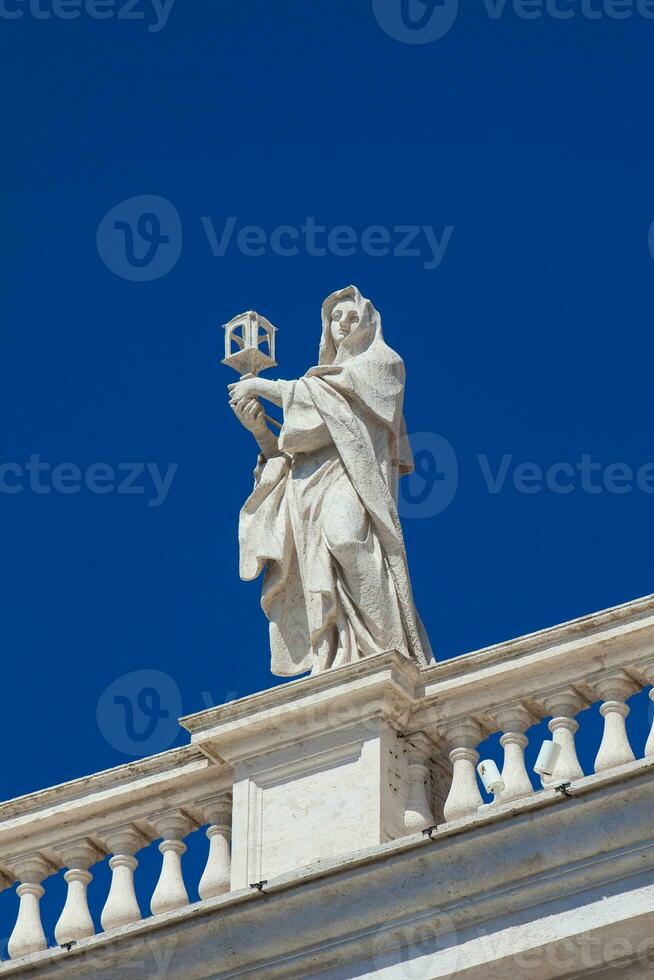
[{"x": 345, "y": 318}]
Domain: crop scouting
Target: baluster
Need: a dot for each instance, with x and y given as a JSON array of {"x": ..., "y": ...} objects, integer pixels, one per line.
[
  {"x": 514, "y": 720},
  {"x": 615, "y": 750},
  {"x": 75, "y": 921},
  {"x": 563, "y": 706},
  {"x": 122, "y": 907},
  {"x": 464, "y": 796},
  {"x": 28, "y": 935},
  {"x": 649, "y": 747},
  {"x": 646, "y": 672},
  {"x": 418, "y": 814},
  {"x": 216, "y": 879},
  {"x": 170, "y": 892}
]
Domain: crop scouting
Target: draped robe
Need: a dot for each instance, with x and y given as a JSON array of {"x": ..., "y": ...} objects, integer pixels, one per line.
[{"x": 322, "y": 519}]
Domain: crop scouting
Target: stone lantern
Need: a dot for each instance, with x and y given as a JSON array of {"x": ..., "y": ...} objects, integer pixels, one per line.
[{"x": 245, "y": 335}]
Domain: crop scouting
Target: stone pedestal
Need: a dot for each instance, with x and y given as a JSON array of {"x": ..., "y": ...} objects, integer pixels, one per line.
[{"x": 322, "y": 766}]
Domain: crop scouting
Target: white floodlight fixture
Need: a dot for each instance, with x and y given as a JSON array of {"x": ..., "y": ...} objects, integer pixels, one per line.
[
  {"x": 491, "y": 777},
  {"x": 548, "y": 757}
]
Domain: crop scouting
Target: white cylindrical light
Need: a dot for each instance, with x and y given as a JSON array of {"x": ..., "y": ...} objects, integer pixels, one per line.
[
  {"x": 547, "y": 758},
  {"x": 490, "y": 776}
]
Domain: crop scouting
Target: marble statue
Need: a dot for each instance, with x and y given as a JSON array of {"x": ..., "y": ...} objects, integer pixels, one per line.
[{"x": 322, "y": 520}]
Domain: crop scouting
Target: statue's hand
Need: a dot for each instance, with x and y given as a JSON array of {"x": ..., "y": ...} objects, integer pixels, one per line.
[
  {"x": 254, "y": 388},
  {"x": 244, "y": 390},
  {"x": 249, "y": 412}
]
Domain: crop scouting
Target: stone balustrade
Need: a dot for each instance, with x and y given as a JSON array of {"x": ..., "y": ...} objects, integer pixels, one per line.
[
  {"x": 112, "y": 816},
  {"x": 376, "y": 736},
  {"x": 555, "y": 674}
]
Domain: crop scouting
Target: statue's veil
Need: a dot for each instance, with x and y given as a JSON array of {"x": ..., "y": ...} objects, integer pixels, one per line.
[
  {"x": 368, "y": 331},
  {"x": 366, "y": 338}
]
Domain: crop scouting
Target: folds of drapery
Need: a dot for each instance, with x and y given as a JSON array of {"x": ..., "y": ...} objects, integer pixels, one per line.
[{"x": 355, "y": 408}]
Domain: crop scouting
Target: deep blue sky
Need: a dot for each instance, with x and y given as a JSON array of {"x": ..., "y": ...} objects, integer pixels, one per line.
[{"x": 533, "y": 337}]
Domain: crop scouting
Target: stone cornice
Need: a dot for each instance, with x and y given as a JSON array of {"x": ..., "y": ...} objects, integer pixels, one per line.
[
  {"x": 635, "y": 615},
  {"x": 384, "y": 686},
  {"x": 601, "y": 640},
  {"x": 89, "y": 806},
  {"x": 529, "y": 668}
]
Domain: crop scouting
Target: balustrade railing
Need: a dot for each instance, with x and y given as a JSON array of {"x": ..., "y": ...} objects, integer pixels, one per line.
[
  {"x": 113, "y": 816},
  {"x": 506, "y": 690},
  {"x": 555, "y": 674}
]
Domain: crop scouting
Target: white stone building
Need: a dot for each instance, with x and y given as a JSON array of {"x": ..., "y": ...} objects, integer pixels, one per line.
[{"x": 359, "y": 848}]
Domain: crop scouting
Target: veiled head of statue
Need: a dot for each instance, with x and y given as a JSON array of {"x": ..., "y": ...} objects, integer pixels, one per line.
[{"x": 350, "y": 324}]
